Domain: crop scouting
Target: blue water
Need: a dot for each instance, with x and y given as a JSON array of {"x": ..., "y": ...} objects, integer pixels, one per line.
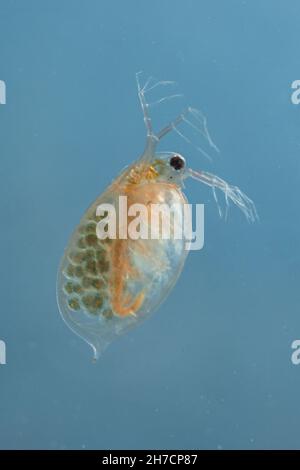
[{"x": 212, "y": 368}]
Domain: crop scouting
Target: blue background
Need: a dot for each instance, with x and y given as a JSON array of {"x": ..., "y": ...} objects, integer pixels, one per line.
[{"x": 212, "y": 368}]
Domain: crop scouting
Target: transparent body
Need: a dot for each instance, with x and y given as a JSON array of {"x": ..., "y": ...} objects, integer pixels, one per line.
[{"x": 106, "y": 287}]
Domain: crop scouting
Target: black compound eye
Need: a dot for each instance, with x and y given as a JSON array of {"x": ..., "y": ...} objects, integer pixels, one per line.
[{"x": 177, "y": 162}]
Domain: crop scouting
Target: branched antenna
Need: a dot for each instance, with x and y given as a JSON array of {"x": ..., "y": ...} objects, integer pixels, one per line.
[{"x": 191, "y": 117}]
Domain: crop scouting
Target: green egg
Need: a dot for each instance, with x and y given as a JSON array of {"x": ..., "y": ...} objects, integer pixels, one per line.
[
  {"x": 100, "y": 253},
  {"x": 92, "y": 283},
  {"x": 74, "y": 304},
  {"x": 103, "y": 266},
  {"x": 108, "y": 313},
  {"x": 87, "y": 282},
  {"x": 77, "y": 288},
  {"x": 78, "y": 270},
  {"x": 81, "y": 243},
  {"x": 88, "y": 254},
  {"x": 97, "y": 284},
  {"x": 90, "y": 227},
  {"x": 92, "y": 302},
  {"x": 91, "y": 239},
  {"x": 91, "y": 267},
  {"x": 70, "y": 270},
  {"x": 77, "y": 256},
  {"x": 98, "y": 301},
  {"x": 68, "y": 287}
]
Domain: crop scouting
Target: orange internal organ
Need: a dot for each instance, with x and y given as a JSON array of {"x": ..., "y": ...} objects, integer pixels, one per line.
[
  {"x": 122, "y": 303},
  {"x": 142, "y": 189}
]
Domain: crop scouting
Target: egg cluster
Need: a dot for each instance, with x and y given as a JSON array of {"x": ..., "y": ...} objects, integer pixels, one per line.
[{"x": 86, "y": 270}]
